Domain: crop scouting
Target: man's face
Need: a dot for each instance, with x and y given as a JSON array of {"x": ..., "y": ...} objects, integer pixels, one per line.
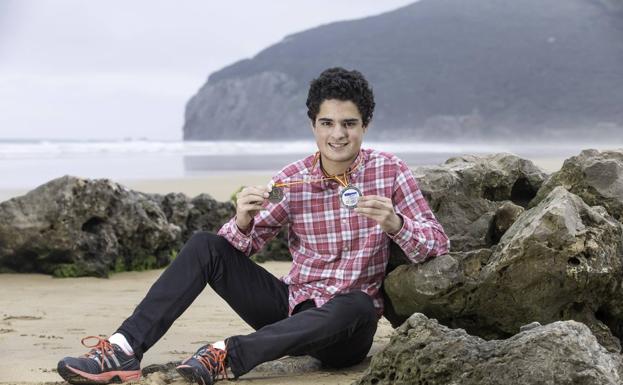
[{"x": 339, "y": 131}]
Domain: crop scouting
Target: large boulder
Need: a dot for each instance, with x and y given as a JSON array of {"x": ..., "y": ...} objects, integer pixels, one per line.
[
  {"x": 594, "y": 176},
  {"x": 465, "y": 193},
  {"x": 422, "y": 351},
  {"x": 560, "y": 260},
  {"x": 73, "y": 227}
]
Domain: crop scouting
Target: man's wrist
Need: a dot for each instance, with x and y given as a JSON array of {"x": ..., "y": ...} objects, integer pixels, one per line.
[
  {"x": 242, "y": 225},
  {"x": 398, "y": 225}
]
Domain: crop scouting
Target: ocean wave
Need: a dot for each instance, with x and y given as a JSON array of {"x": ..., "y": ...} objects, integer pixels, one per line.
[{"x": 42, "y": 149}]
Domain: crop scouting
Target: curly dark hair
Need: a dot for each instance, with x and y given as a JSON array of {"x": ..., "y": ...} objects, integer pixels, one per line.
[{"x": 338, "y": 83}]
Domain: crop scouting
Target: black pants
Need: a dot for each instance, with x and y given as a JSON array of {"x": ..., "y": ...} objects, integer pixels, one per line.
[{"x": 339, "y": 333}]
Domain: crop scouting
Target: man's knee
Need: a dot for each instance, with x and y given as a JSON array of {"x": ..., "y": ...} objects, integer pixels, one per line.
[
  {"x": 205, "y": 244},
  {"x": 363, "y": 304},
  {"x": 207, "y": 241},
  {"x": 357, "y": 305},
  {"x": 202, "y": 238}
]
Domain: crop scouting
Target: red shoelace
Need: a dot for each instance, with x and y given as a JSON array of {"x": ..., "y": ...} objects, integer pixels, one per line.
[
  {"x": 215, "y": 355},
  {"x": 102, "y": 345}
]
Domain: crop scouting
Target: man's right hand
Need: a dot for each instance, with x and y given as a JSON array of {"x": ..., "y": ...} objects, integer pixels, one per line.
[{"x": 249, "y": 201}]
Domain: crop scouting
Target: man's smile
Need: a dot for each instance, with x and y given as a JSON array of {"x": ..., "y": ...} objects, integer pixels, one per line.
[{"x": 338, "y": 145}]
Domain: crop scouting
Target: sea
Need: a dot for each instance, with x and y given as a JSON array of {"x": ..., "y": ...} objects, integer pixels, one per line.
[{"x": 27, "y": 163}]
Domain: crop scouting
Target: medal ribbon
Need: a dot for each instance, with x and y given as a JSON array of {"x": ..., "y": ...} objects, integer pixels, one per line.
[{"x": 344, "y": 181}]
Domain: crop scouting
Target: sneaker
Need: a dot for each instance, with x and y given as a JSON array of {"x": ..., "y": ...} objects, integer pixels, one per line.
[
  {"x": 205, "y": 366},
  {"x": 105, "y": 363}
]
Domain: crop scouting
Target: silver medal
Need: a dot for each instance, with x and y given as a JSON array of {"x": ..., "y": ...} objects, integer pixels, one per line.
[
  {"x": 350, "y": 196},
  {"x": 275, "y": 195}
]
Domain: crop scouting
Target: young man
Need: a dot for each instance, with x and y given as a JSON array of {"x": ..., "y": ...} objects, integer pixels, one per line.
[{"x": 344, "y": 205}]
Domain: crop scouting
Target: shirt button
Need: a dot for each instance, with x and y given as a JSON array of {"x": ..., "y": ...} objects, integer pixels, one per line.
[
  {"x": 346, "y": 248},
  {"x": 344, "y": 221}
]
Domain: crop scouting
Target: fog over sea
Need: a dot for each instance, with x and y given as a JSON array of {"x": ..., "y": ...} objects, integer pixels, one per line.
[{"x": 25, "y": 164}]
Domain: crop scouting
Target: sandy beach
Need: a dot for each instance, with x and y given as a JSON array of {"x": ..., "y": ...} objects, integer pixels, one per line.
[{"x": 43, "y": 319}]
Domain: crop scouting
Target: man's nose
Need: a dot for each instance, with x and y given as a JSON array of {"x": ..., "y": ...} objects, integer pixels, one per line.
[{"x": 339, "y": 131}]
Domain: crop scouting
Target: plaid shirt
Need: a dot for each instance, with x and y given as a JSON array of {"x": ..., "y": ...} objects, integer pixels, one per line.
[{"x": 334, "y": 249}]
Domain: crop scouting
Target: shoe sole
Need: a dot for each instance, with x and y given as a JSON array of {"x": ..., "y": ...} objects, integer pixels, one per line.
[
  {"x": 189, "y": 374},
  {"x": 75, "y": 376}
]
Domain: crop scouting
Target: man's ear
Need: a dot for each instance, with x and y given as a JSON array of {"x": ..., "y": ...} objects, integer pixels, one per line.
[
  {"x": 313, "y": 127},
  {"x": 365, "y": 128}
]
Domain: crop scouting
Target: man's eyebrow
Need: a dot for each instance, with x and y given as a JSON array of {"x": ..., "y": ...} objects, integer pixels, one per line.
[{"x": 348, "y": 120}]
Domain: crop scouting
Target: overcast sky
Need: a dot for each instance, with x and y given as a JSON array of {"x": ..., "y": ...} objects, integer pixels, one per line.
[{"x": 113, "y": 69}]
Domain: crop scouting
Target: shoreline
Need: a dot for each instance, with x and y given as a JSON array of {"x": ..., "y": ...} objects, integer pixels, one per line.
[{"x": 222, "y": 184}]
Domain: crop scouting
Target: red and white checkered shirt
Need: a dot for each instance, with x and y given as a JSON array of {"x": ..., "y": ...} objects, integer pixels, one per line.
[{"x": 334, "y": 249}]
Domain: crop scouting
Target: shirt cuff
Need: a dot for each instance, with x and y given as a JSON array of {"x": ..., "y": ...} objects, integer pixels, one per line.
[
  {"x": 241, "y": 240},
  {"x": 411, "y": 240},
  {"x": 402, "y": 235},
  {"x": 402, "y": 225}
]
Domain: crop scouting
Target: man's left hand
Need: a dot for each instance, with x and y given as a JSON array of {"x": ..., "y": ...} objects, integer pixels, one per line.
[{"x": 381, "y": 209}]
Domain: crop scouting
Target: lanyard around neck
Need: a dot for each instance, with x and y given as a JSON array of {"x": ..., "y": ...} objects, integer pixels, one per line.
[{"x": 341, "y": 179}]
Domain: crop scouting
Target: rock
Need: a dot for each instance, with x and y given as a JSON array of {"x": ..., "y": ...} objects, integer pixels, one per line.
[
  {"x": 157, "y": 374},
  {"x": 529, "y": 326},
  {"x": 560, "y": 260},
  {"x": 442, "y": 287},
  {"x": 289, "y": 365},
  {"x": 466, "y": 192},
  {"x": 176, "y": 207},
  {"x": 422, "y": 351},
  {"x": 503, "y": 219},
  {"x": 73, "y": 227},
  {"x": 203, "y": 213},
  {"x": 596, "y": 177},
  {"x": 207, "y": 214},
  {"x": 286, "y": 366}
]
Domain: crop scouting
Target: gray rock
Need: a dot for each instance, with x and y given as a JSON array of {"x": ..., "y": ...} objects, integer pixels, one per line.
[
  {"x": 207, "y": 214},
  {"x": 596, "y": 177},
  {"x": 286, "y": 366},
  {"x": 503, "y": 219},
  {"x": 561, "y": 353},
  {"x": 529, "y": 326},
  {"x": 560, "y": 260},
  {"x": 289, "y": 365},
  {"x": 442, "y": 288},
  {"x": 466, "y": 192},
  {"x": 201, "y": 213},
  {"x": 73, "y": 227}
]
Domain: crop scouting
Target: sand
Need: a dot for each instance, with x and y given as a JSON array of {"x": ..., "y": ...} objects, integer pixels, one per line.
[{"x": 43, "y": 319}]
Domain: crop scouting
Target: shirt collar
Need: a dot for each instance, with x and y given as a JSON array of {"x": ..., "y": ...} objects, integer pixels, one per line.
[{"x": 354, "y": 169}]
